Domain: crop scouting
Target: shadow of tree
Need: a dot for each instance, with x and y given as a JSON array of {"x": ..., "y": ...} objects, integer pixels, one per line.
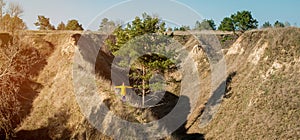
[
  {"x": 165, "y": 106},
  {"x": 28, "y": 92},
  {"x": 27, "y": 63},
  {"x": 92, "y": 49},
  {"x": 35, "y": 60},
  {"x": 56, "y": 129},
  {"x": 5, "y": 39},
  {"x": 182, "y": 104},
  {"x": 215, "y": 100},
  {"x": 163, "y": 109},
  {"x": 228, "y": 84}
]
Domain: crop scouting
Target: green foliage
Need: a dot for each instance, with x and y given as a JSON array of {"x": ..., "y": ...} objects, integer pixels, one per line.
[
  {"x": 244, "y": 21},
  {"x": 226, "y": 38},
  {"x": 43, "y": 23},
  {"x": 241, "y": 21},
  {"x": 74, "y": 25},
  {"x": 138, "y": 27},
  {"x": 182, "y": 28},
  {"x": 61, "y": 26},
  {"x": 205, "y": 25},
  {"x": 227, "y": 25},
  {"x": 278, "y": 24},
  {"x": 141, "y": 45},
  {"x": 143, "y": 67},
  {"x": 107, "y": 26},
  {"x": 267, "y": 25}
]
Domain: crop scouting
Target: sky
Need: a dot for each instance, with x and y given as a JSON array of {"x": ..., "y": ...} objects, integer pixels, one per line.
[{"x": 175, "y": 12}]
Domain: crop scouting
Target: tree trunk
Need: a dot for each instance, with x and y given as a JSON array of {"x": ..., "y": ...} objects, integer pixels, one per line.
[
  {"x": 0, "y": 11},
  {"x": 143, "y": 96}
]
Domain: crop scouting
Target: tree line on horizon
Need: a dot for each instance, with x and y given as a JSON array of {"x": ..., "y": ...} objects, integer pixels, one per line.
[
  {"x": 240, "y": 21},
  {"x": 11, "y": 21},
  {"x": 43, "y": 23}
]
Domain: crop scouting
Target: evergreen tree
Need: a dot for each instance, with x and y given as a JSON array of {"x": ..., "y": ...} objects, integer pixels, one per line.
[
  {"x": 138, "y": 27},
  {"x": 144, "y": 67},
  {"x": 184, "y": 28},
  {"x": 278, "y": 24},
  {"x": 74, "y": 25},
  {"x": 107, "y": 26},
  {"x": 267, "y": 25},
  {"x": 241, "y": 21},
  {"x": 244, "y": 21},
  {"x": 43, "y": 23},
  {"x": 61, "y": 26},
  {"x": 142, "y": 35},
  {"x": 227, "y": 25},
  {"x": 205, "y": 25}
]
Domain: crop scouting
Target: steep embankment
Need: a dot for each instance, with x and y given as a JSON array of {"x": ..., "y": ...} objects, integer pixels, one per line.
[
  {"x": 262, "y": 97},
  {"x": 55, "y": 103},
  {"x": 55, "y": 113},
  {"x": 262, "y": 88}
]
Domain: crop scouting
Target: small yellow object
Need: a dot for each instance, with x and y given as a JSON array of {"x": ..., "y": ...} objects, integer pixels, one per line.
[{"x": 123, "y": 89}]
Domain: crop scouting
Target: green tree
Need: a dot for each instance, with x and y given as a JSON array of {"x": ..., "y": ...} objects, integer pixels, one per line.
[
  {"x": 142, "y": 34},
  {"x": 144, "y": 67},
  {"x": 244, "y": 21},
  {"x": 227, "y": 24},
  {"x": 43, "y": 23},
  {"x": 184, "y": 28},
  {"x": 138, "y": 27},
  {"x": 74, "y": 25},
  {"x": 61, "y": 26},
  {"x": 107, "y": 26},
  {"x": 205, "y": 25},
  {"x": 278, "y": 24},
  {"x": 267, "y": 25}
]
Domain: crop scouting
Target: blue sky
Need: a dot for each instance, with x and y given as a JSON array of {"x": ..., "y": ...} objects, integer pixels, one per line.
[{"x": 176, "y": 12}]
